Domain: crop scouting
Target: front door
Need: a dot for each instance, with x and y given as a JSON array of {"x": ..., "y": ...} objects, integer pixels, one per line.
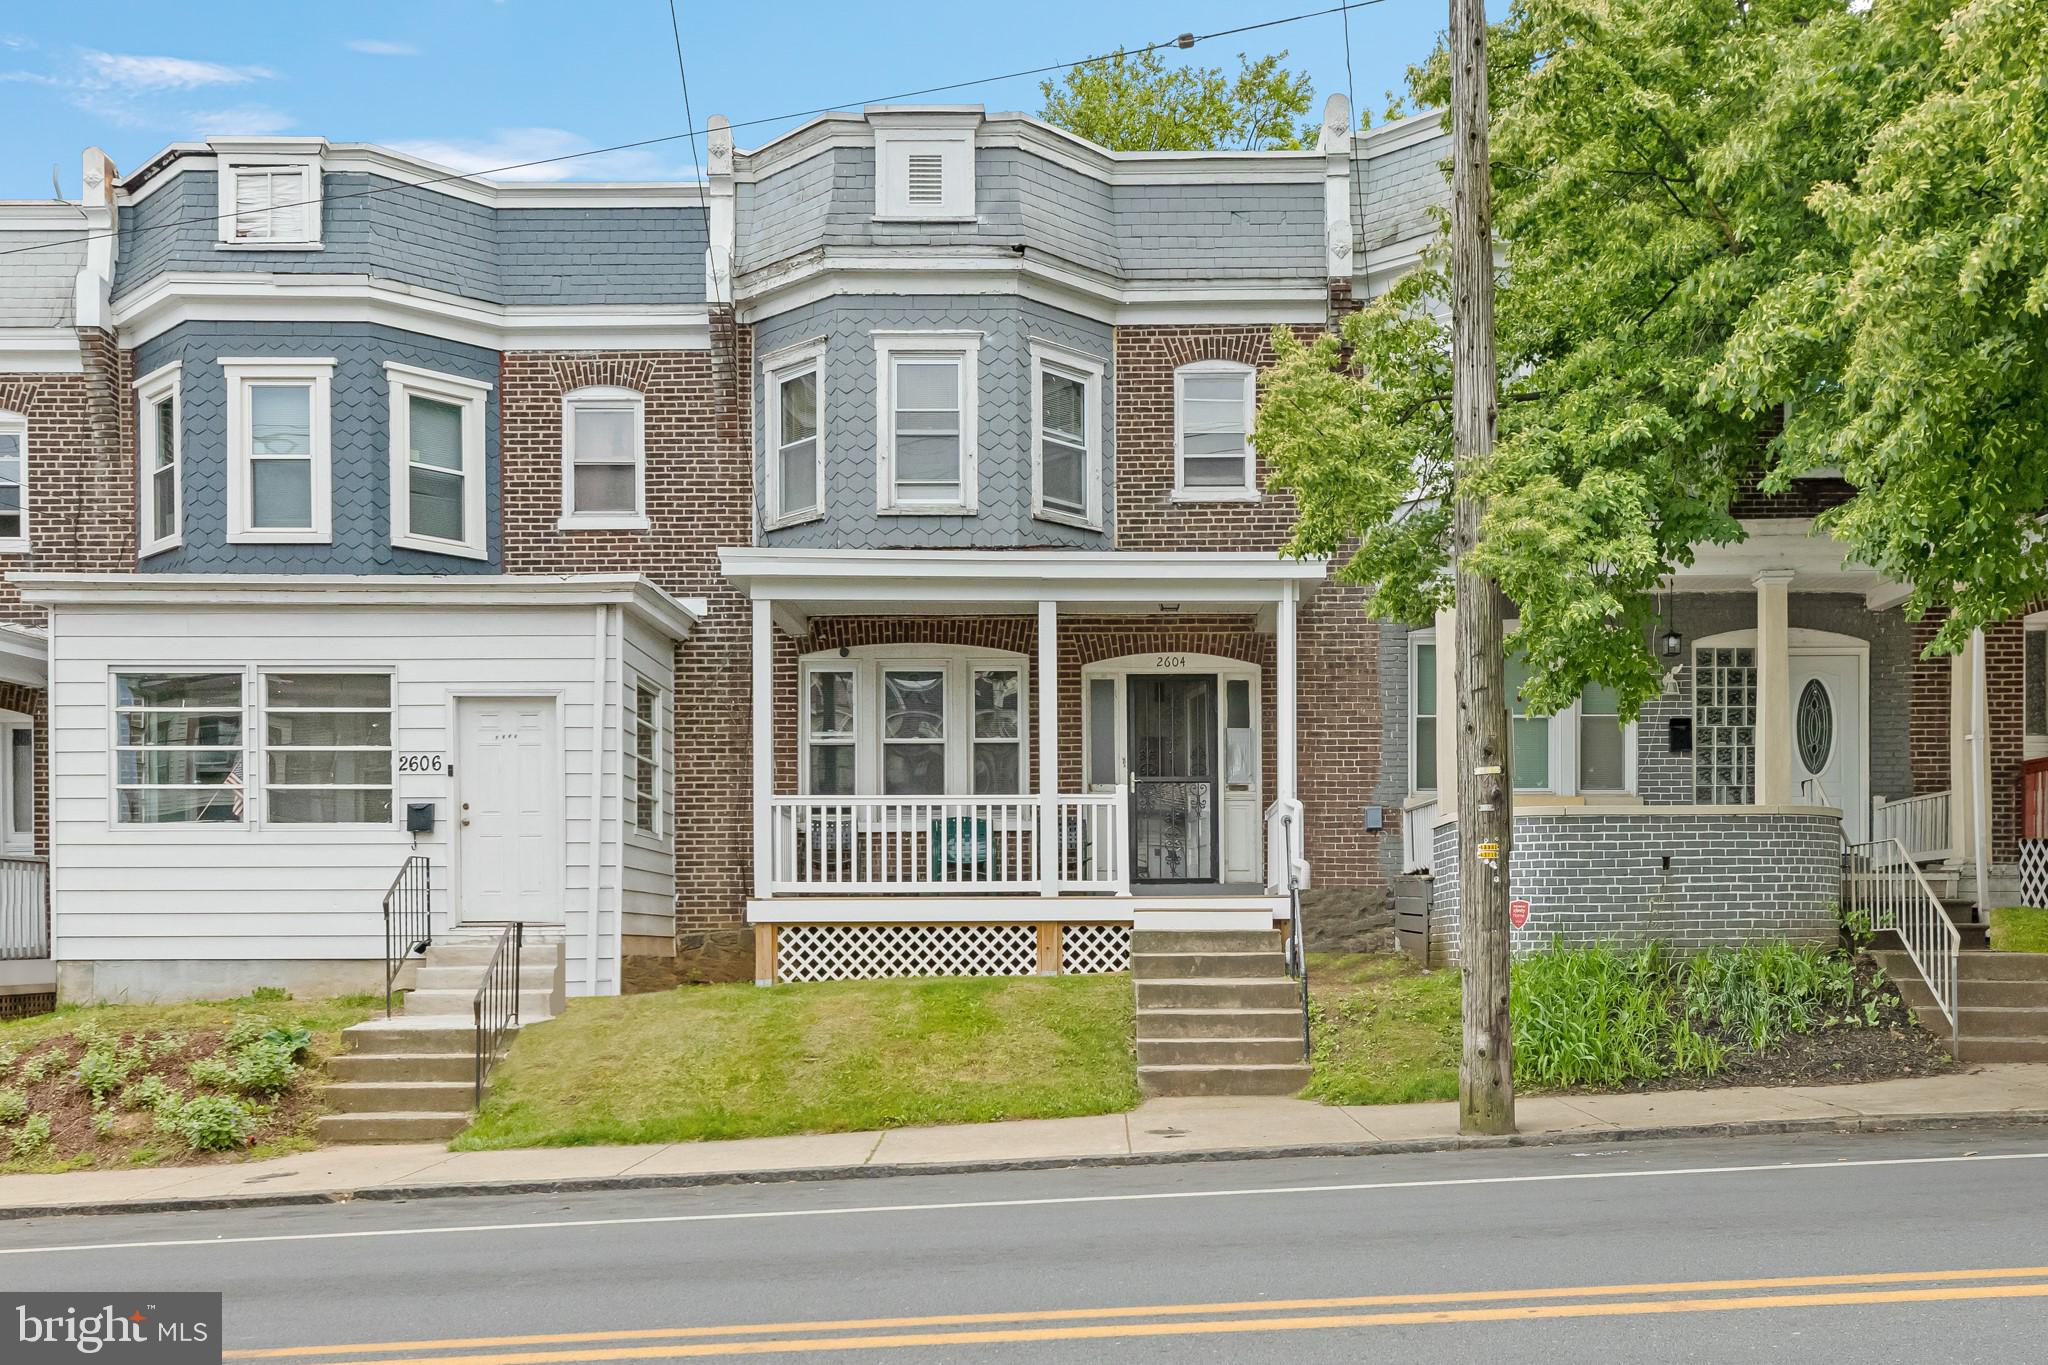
[
  {"x": 1827, "y": 738},
  {"x": 508, "y": 778},
  {"x": 1173, "y": 753}
]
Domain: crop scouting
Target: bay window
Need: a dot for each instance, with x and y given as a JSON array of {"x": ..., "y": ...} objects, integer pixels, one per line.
[
  {"x": 998, "y": 731},
  {"x": 913, "y": 732},
  {"x": 437, "y": 462},
  {"x": 914, "y": 721},
  {"x": 829, "y": 732},
  {"x": 1584, "y": 749},
  {"x": 795, "y": 454},
  {"x": 1066, "y": 436},
  {"x": 278, "y": 450},
  {"x": 928, "y": 413},
  {"x": 157, "y": 460}
]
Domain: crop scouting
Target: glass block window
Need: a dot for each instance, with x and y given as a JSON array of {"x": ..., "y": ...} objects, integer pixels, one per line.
[
  {"x": 2037, "y": 683},
  {"x": 1724, "y": 726}
]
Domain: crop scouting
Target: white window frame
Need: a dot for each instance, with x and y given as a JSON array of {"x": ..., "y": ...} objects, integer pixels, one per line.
[
  {"x": 604, "y": 397},
  {"x": 21, "y": 842},
  {"x": 1088, "y": 371},
  {"x": 165, "y": 382},
  {"x": 959, "y": 663},
  {"x": 472, "y": 398},
  {"x": 249, "y": 752},
  {"x": 1416, "y": 640},
  {"x": 242, "y": 373},
  {"x": 2033, "y": 745},
  {"x": 306, "y": 165},
  {"x": 950, "y": 139},
  {"x": 1248, "y": 491},
  {"x": 1563, "y": 749},
  {"x": 15, "y": 424},
  {"x": 963, "y": 347},
  {"x": 778, "y": 368},
  {"x": 257, "y": 789},
  {"x": 657, "y": 830}
]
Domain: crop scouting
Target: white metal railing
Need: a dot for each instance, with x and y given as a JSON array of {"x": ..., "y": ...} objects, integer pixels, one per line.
[
  {"x": 1918, "y": 824},
  {"x": 937, "y": 845},
  {"x": 1882, "y": 881},
  {"x": 1284, "y": 847},
  {"x": 24, "y": 908},
  {"x": 1418, "y": 836}
]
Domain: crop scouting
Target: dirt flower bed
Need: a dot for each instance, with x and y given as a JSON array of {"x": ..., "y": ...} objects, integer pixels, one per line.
[{"x": 145, "y": 1085}]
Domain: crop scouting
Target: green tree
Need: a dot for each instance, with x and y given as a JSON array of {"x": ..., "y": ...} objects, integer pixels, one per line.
[
  {"x": 1131, "y": 102},
  {"x": 1644, "y": 206}
]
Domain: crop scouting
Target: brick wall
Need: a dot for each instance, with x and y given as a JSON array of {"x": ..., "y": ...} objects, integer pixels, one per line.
[
  {"x": 699, "y": 498},
  {"x": 1927, "y": 709},
  {"x": 2005, "y": 707}
]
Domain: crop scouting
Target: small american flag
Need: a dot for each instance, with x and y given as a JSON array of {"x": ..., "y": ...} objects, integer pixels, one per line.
[{"x": 234, "y": 784}]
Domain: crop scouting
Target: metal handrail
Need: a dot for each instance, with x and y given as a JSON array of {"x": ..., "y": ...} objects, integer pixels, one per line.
[
  {"x": 496, "y": 1007},
  {"x": 1297, "y": 948},
  {"x": 1879, "y": 879},
  {"x": 408, "y": 919}
]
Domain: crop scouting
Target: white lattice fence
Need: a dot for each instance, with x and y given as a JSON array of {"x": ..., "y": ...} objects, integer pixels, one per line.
[
  {"x": 2034, "y": 871},
  {"x": 846, "y": 952},
  {"x": 1092, "y": 949}
]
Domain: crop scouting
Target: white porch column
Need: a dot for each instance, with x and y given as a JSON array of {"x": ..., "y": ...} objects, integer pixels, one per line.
[
  {"x": 1773, "y": 688},
  {"x": 1286, "y": 742},
  {"x": 1962, "y": 767},
  {"x": 764, "y": 747},
  {"x": 1980, "y": 769},
  {"x": 1048, "y": 747},
  {"x": 1447, "y": 711}
]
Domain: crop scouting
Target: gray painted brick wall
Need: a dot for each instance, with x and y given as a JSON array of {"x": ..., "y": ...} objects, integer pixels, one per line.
[
  {"x": 1007, "y": 325},
  {"x": 1602, "y": 879},
  {"x": 360, "y": 436}
]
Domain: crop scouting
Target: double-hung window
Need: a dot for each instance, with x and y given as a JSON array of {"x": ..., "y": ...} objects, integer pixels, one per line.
[
  {"x": 998, "y": 759},
  {"x": 327, "y": 748},
  {"x": 830, "y": 734},
  {"x": 604, "y": 459},
  {"x": 437, "y": 462},
  {"x": 13, "y": 482},
  {"x": 913, "y": 731},
  {"x": 1529, "y": 733},
  {"x": 157, "y": 462},
  {"x": 278, "y": 451},
  {"x": 1214, "y": 402},
  {"x": 2034, "y": 684},
  {"x": 271, "y": 202},
  {"x": 643, "y": 757},
  {"x": 178, "y": 748},
  {"x": 1066, "y": 440},
  {"x": 1422, "y": 720},
  {"x": 1603, "y": 742},
  {"x": 928, "y": 410},
  {"x": 795, "y": 451}
]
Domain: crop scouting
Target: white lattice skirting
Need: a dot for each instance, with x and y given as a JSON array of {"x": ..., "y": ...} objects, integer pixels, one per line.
[
  {"x": 855, "y": 952},
  {"x": 2034, "y": 871},
  {"x": 1092, "y": 949}
]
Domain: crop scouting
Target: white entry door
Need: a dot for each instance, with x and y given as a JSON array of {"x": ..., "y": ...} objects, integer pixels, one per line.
[
  {"x": 1827, "y": 737},
  {"x": 508, "y": 779}
]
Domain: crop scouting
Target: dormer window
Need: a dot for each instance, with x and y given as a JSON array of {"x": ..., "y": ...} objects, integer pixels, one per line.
[
  {"x": 271, "y": 202},
  {"x": 924, "y": 167}
]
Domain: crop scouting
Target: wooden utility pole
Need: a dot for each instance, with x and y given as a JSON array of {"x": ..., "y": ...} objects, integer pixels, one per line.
[{"x": 1486, "y": 1088}]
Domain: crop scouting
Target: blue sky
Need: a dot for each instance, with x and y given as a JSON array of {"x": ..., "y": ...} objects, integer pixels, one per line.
[{"x": 484, "y": 83}]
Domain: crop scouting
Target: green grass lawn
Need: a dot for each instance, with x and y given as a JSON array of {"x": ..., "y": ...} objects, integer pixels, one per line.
[
  {"x": 1384, "y": 1030},
  {"x": 2019, "y": 929},
  {"x": 739, "y": 1061}
]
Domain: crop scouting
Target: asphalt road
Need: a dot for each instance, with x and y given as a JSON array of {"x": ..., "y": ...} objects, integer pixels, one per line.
[{"x": 1909, "y": 1247}]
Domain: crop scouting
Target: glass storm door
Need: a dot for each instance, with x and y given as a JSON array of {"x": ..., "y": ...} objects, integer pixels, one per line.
[{"x": 1173, "y": 778}]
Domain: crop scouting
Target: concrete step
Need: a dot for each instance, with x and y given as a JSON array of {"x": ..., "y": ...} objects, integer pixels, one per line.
[
  {"x": 386, "y": 1067},
  {"x": 433, "y": 976},
  {"x": 1224, "y": 1052},
  {"x": 389, "y": 1127},
  {"x": 474, "y": 950},
  {"x": 2002, "y": 1050},
  {"x": 1225, "y": 993},
  {"x": 1991, "y": 966},
  {"x": 1218, "y": 1023},
  {"x": 1207, "y": 941},
  {"x": 414, "y": 1033},
  {"x": 1258, "y": 1079},
  {"x": 534, "y": 1004},
  {"x": 1168, "y": 966},
  {"x": 2001, "y": 1021},
  {"x": 2013, "y": 994},
  {"x": 400, "y": 1097}
]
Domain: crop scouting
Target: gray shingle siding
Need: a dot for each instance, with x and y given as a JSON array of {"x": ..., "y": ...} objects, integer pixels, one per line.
[
  {"x": 360, "y": 444},
  {"x": 1260, "y": 231},
  {"x": 1393, "y": 193},
  {"x": 376, "y": 226},
  {"x": 1007, "y": 325},
  {"x": 39, "y": 287}
]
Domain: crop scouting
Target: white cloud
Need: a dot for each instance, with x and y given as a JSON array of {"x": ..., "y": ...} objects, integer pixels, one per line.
[
  {"x": 379, "y": 47},
  {"x": 253, "y": 120},
  {"x": 126, "y": 71},
  {"x": 518, "y": 146}
]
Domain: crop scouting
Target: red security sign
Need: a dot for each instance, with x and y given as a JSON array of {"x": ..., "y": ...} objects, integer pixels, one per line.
[{"x": 1518, "y": 913}]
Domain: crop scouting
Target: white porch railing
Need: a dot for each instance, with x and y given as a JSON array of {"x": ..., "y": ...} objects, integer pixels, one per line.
[
  {"x": 1418, "y": 836},
  {"x": 1919, "y": 825},
  {"x": 24, "y": 914},
  {"x": 1882, "y": 881},
  {"x": 878, "y": 845},
  {"x": 1285, "y": 847}
]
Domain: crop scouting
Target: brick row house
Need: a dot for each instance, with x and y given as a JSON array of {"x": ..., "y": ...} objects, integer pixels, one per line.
[{"x": 855, "y": 563}]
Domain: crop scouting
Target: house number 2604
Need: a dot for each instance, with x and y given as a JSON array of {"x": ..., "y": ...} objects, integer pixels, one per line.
[{"x": 1170, "y": 661}]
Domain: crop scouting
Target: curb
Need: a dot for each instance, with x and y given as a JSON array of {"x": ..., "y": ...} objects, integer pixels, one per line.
[{"x": 391, "y": 1194}]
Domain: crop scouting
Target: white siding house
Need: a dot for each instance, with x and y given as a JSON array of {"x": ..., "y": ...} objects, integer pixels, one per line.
[{"x": 233, "y": 759}]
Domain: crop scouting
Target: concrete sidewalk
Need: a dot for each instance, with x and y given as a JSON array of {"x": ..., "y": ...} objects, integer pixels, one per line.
[{"x": 1156, "y": 1131}]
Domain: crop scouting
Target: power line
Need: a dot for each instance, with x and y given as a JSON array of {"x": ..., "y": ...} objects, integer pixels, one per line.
[
  {"x": 1184, "y": 40},
  {"x": 675, "y": 28}
]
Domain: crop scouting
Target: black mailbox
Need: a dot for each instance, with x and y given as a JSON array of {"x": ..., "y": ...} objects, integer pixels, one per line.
[
  {"x": 419, "y": 817},
  {"x": 1681, "y": 734}
]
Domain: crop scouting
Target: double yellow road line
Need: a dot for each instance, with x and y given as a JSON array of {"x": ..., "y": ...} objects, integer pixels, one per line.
[{"x": 1189, "y": 1319}]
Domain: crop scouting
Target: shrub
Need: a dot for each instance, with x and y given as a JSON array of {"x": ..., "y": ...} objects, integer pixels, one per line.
[
  {"x": 103, "y": 1123},
  {"x": 36, "y": 1068},
  {"x": 103, "y": 1069},
  {"x": 1588, "y": 1016},
  {"x": 263, "y": 1068},
  {"x": 13, "y": 1105},
  {"x": 270, "y": 993},
  {"x": 295, "y": 1039},
  {"x": 207, "y": 1123},
  {"x": 212, "y": 1072},
  {"x": 146, "y": 1093},
  {"x": 31, "y": 1137},
  {"x": 164, "y": 1044},
  {"x": 243, "y": 1030}
]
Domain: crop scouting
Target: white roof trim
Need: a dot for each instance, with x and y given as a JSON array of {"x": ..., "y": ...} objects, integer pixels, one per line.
[
  {"x": 40, "y": 350},
  {"x": 24, "y": 655},
  {"x": 936, "y": 576},
  {"x": 674, "y": 616}
]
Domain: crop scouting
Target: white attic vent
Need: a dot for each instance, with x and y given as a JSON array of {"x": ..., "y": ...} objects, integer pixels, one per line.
[{"x": 926, "y": 180}]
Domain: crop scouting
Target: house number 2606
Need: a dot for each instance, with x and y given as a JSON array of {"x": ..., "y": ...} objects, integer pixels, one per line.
[{"x": 1170, "y": 661}]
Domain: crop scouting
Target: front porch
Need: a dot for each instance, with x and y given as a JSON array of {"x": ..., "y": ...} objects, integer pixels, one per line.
[{"x": 991, "y": 762}]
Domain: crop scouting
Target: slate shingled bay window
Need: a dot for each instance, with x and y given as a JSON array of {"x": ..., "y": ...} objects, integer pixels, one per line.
[
  {"x": 1213, "y": 413},
  {"x": 157, "y": 460},
  {"x": 13, "y": 482},
  {"x": 178, "y": 748},
  {"x": 327, "y": 748},
  {"x": 604, "y": 459},
  {"x": 794, "y": 422},
  {"x": 437, "y": 462},
  {"x": 1066, "y": 475},
  {"x": 928, "y": 409},
  {"x": 278, "y": 450}
]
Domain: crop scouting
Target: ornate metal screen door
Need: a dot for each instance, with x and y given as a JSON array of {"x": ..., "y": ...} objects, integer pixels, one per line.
[{"x": 1173, "y": 778}]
